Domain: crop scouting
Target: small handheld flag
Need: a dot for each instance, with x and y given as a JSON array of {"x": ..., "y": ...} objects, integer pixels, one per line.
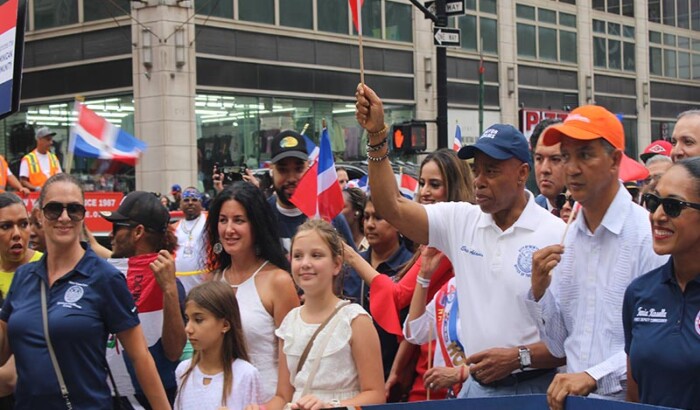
[{"x": 457, "y": 144}]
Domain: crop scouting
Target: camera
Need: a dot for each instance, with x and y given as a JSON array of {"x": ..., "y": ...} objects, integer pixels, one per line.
[{"x": 230, "y": 173}]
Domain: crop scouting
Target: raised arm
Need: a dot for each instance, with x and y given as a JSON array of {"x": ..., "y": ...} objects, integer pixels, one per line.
[{"x": 407, "y": 216}]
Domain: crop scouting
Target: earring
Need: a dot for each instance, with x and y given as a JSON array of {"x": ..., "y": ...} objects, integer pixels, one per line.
[
  {"x": 218, "y": 248},
  {"x": 357, "y": 213}
]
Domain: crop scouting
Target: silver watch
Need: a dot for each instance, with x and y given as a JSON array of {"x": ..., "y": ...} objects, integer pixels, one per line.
[{"x": 525, "y": 357}]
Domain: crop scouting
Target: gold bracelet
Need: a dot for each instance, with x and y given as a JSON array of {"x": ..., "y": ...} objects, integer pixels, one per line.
[{"x": 380, "y": 133}]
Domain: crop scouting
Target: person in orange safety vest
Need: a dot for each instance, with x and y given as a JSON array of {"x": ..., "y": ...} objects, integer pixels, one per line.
[
  {"x": 7, "y": 177},
  {"x": 40, "y": 164}
]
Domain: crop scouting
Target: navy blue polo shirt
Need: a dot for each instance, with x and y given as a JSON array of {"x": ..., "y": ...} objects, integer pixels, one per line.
[
  {"x": 662, "y": 338},
  {"x": 84, "y": 307},
  {"x": 352, "y": 283}
]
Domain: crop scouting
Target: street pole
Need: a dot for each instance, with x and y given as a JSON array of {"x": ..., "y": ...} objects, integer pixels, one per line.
[{"x": 441, "y": 78}]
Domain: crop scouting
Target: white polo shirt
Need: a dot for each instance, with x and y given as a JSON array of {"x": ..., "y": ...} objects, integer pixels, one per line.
[{"x": 492, "y": 269}]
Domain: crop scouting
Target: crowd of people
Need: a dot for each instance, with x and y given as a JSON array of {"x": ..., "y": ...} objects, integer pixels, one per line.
[{"x": 476, "y": 288}]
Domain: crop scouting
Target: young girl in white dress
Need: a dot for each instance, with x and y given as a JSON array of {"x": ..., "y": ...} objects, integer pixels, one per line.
[
  {"x": 219, "y": 374},
  {"x": 344, "y": 365}
]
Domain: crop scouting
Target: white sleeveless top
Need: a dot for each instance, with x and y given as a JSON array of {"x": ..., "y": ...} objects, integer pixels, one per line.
[
  {"x": 259, "y": 333},
  {"x": 337, "y": 376}
]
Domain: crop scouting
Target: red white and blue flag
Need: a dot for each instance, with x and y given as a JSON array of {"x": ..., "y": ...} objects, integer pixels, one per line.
[
  {"x": 94, "y": 137},
  {"x": 356, "y": 11},
  {"x": 318, "y": 194},
  {"x": 457, "y": 144},
  {"x": 408, "y": 186},
  {"x": 311, "y": 149},
  {"x": 8, "y": 36}
]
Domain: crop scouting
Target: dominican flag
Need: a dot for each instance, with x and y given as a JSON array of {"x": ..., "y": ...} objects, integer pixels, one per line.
[
  {"x": 311, "y": 149},
  {"x": 318, "y": 193},
  {"x": 356, "y": 10},
  {"x": 457, "y": 144},
  {"x": 94, "y": 137},
  {"x": 408, "y": 186}
]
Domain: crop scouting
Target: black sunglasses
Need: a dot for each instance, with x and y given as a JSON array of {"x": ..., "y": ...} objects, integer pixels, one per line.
[
  {"x": 562, "y": 199},
  {"x": 672, "y": 206},
  {"x": 53, "y": 211},
  {"x": 117, "y": 225}
]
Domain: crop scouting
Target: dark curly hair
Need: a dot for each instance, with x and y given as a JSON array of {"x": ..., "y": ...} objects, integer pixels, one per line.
[{"x": 264, "y": 227}]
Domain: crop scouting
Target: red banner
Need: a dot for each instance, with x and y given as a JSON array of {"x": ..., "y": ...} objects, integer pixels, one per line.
[{"x": 95, "y": 202}]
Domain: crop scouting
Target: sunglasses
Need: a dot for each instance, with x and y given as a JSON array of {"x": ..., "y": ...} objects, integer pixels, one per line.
[
  {"x": 563, "y": 199},
  {"x": 672, "y": 207},
  {"x": 117, "y": 225},
  {"x": 54, "y": 210}
]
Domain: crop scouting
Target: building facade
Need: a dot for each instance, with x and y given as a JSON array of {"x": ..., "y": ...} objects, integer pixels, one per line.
[{"x": 211, "y": 81}]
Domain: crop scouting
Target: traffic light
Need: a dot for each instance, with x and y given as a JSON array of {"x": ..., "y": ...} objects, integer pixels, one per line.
[{"x": 409, "y": 137}]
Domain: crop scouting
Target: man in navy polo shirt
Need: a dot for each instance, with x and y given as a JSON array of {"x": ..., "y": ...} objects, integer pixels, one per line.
[{"x": 140, "y": 230}]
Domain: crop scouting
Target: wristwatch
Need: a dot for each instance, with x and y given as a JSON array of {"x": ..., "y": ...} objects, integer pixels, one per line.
[{"x": 525, "y": 357}]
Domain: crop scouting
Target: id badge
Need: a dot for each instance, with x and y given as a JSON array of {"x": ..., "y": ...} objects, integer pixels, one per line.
[{"x": 188, "y": 252}]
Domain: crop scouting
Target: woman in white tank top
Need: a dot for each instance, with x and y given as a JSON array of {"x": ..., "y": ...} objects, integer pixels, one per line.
[{"x": 244, "y": 251}]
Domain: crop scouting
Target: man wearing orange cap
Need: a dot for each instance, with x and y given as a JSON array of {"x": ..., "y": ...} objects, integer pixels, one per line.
[{"x": 578, "y": 307}]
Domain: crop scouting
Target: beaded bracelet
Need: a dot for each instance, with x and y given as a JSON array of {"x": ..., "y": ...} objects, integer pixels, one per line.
[
  {"x": 378, "y": 159},
  {"x": 376, "y": 147},
  {"x": 423, "y": 282},
  {"x": 379, "y": 133}
]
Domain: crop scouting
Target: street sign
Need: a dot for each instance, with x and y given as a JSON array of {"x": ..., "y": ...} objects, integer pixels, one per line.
[
  {"x": 453, "y": 7},
  {"x": 446, "y": 37}
]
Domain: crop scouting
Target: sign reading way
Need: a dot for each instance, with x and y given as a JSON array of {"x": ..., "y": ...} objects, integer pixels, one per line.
[
  {"x": 453, "y": 7},
  {"x": 446, "y": 37}
]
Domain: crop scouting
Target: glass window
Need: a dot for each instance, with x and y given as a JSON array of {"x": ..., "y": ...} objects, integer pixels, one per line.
[
  {"x": 569, "y": 1},
  {"x": 628, "y": 55},
  {"x": 628, "y": 31},
  {"x": 599, "y": 5},
  {"x": 399, "y": 22},
  {"x": 599, "y": 26},
  {"x": 296, "y": 13},
  {"x": 96, "y": 10},
  {"x": 696, "y": 45},
  {"x": 669, "y": 12},
  {"x": 54, "y": 13},
  {"x": 655, "y": 63},
  {"x": 467, "y": 25},
  {"x": 489, "y": 34},
  {"x": 696, "y": 66},
  {"x": 695, "y": 14},
  {"x": 614, "y": 55},
  {"x": 614, "y": 6},
  {"x": 525, "y": 12},
  {"x": 613, "y": 29},
  {"x": 259, "y": 11},
  {"x": 566, "y": 19},
  {"x": 600, "y": 52},
  {"x": 547, "y": 16},
  {"x": 371, "y": 18},
  {"x": 547, "y": 43},
  {"x": 683, "y": 14},
  {"x": 670, "y": 63},
  {"x": 487, "y": 6},
  {"x": 470, "y": 5},
  {"x": 684, "y": 65},
  {"x": 567, "y": 46},
  {"x": 628, "y": 8},
  {"x": 684, "y": 42},
  {"x": 655, "y": 37},
  {"x": 654, "y": 11},
  {"x": 333, "y": 16},
  {"x": 527, "y": 46},
  {"x": 669, "y": 40}
]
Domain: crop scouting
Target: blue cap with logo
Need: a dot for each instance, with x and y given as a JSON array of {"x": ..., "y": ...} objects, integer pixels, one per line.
[{"x": 501, "y": 142}]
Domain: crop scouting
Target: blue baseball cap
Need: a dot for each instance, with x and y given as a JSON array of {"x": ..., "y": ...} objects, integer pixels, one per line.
[{"x": 501, "y": 142}]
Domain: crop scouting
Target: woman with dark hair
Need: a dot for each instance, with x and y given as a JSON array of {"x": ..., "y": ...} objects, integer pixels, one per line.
[
  {"x": 69, "y": 302},
  {"x": 443, "y": 177},
  {"x": 354, "y": 212},
  {"x": 245, "y": 252},
  {"x": 661, "y": 309}
]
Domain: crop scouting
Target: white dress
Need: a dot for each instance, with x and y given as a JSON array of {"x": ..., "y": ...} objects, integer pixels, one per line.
[
  {"x": 245, "y": 389},
  {"x": 337, "y": 376}
]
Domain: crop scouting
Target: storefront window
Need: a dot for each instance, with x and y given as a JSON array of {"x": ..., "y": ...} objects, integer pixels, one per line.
[
  {"x": 96, "y": 175},
  {"x": 235, "y": 131}
]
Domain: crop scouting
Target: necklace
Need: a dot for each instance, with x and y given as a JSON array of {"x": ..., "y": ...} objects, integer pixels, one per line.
[
  {"x": 223, "y": 275},
  {"x": 194, "y": 225}
]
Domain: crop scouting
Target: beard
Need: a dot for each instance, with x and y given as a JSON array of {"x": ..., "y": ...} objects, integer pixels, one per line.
[{"x": 283, "y": 197}]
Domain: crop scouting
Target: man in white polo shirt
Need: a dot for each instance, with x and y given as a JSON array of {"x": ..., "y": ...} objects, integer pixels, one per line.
[{"x": 490, "y": 247}]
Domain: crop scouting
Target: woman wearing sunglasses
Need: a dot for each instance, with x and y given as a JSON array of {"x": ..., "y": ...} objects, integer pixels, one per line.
[
  {"x": 60, "y": 311},
  {"x": 661, "y": 309}
]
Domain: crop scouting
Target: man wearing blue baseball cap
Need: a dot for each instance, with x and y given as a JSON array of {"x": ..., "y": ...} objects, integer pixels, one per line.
[{"x": 490, "y": 247}]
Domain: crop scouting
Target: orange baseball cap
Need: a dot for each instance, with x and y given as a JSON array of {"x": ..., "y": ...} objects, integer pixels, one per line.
[{"x": 588, "y": 122}]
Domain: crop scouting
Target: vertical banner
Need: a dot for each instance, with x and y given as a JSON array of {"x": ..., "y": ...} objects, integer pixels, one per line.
[{"x": 12, "y": 17}]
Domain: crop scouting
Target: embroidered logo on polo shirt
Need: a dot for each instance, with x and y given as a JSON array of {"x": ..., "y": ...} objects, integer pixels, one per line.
[
  {"x": 651, "y": 315},
  {"x": 524, "y": 263},
  {"x": 470, "y": 251},
  {"x": 697, "y": 323},
  {"x": 72, "y": 295}
]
